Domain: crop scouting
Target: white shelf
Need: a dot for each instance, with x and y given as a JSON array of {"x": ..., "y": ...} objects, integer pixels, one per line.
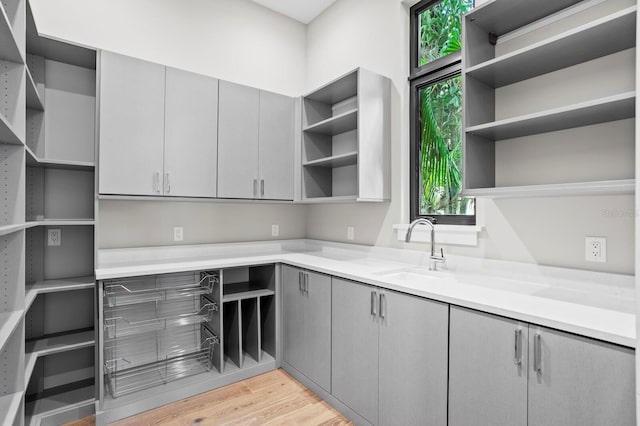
[
  {"x": 7, "y": 133},
  {"x": 34, "y": 161},
  {"x": 608, "y": 187},
  {"x": 336, "y": 125},
  {"x": 10, "y": 405},
  {"x": 60, "y": 222},
  {"x": 54, "y": 286},
  {"x": 9, "y": 229},
  {"x": 44, "y": 407},
  {"x": 29, "y": 364},
  {"x": 343, "y": 87},
  {"x": 8, "y": 323},
  {"x": 347, "y": 159},
  {"x": 33, "y": 97},
  {"x": 602, "y": 110},
  {"x": 252, "y": 294},
  {"x": 337, "y": 199},
  {"x": 58, "y": 344},
  {"x": 502, "y": 16},
  {"x": 603, "y": 36},
  {"x": 9, "y": 50}
]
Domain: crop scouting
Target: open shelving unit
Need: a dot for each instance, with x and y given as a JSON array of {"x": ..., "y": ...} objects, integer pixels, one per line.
[
  {"x": 515, "y": 57},
  {"x": 346, "y": 140},
  {"x": 59, "y": 157}
]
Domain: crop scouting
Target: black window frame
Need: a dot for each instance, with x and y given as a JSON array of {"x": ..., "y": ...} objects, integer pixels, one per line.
[{"x": 420, "y": 77}]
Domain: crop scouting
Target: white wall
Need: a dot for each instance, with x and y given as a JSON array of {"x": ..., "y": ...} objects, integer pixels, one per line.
[
  {"x": 374, "y": 34},
  {"x": 235, "y": 40}
]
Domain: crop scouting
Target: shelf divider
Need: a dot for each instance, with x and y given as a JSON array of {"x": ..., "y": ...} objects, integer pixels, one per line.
[
  {"x": 340, "y": 160},
  {"x": 58, "y": 344},
  {"x": 336, "y": 125},
  {"x": 8, "y": 323}
]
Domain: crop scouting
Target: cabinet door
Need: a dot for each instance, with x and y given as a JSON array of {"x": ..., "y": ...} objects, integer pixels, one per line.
[
  {"x": 354, "y": 347},
  {"x": 578, "y": 381},
  {"x": 414, "y": 335},
  {"x": 293, "y": 350},
  {"x": 276, "y": 146},
  {"x": 131, "y": 125},
  {"x": 317, "y": 329},
  {"x": 487, "y": 386},
  {"x": 238, "y": 141},
  {"x": 191, "y": 134}
]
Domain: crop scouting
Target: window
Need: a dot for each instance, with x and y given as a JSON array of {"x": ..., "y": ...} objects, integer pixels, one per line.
[{"x": 436, "y": 113}]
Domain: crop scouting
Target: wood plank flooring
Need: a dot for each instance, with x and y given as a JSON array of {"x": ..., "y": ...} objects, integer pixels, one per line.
[{"x": 273, "y": 398}]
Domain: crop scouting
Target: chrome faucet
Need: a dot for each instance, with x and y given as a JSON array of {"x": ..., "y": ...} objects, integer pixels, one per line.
[{"x": 433, "y": 258}]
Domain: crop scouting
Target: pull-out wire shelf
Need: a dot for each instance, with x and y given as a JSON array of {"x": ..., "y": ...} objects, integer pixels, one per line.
[
  {"x": 126, "y": 375},
  {"x": 122, "y": 292},
  {"x": 155, "y": 316}
]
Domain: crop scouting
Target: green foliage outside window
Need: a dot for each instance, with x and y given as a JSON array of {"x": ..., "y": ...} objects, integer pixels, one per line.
[{"x": 441, "y": 115}]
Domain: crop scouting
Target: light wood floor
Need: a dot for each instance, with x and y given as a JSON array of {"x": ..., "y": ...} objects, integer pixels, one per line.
[{"x": 274, "y": 398}]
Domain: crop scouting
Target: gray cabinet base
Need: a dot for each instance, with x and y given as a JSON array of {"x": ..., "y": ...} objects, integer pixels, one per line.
[
  {"x": 129, "y": 405},
  {"x": 327, "y": 397}
]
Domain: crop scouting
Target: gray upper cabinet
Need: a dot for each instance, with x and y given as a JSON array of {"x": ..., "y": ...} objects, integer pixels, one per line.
[
  {"x": 131, "y": 125},
  {"x": 158, "y": 129},
  {"x": 191, "y": 134},
  {"x": 238, "y": 141},
  {"x": 487, "y": 370},
  {"x": 578, "y": 381},
  {"x": 413, "y": 360},
  {"x": 354, "y": 347},
  {"x": 502, "y": 372},
  {"x": 256, "y": 143},
  {"x": 307, "y": 324},
  {"x": 276, "y": 137}
]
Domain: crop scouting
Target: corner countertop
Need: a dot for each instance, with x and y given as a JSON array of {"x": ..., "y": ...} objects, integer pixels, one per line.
[{"x": 592, "y": 304}]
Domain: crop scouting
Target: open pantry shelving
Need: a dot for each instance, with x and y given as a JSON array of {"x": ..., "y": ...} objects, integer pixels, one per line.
[
  {"x": 515, "y": 58},
  {"x": 346, "y": 140}
]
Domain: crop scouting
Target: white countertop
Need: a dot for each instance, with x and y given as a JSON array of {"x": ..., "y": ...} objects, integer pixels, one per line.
[{"x": 592, "y": 304}]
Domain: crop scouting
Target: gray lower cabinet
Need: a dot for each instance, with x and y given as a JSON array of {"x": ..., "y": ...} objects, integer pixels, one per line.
[
  {"x": 578, "y": 381},
  {"x": 389, "y": 355},
  {"x": 131, "y": 125},
  {"x": 191, "y": 134},
  {"x": 255, "y": 143},
  {"x": 307, "y": 324},
  {"x": 487, "y": 370},
  {"x": 503, "y": 372}
]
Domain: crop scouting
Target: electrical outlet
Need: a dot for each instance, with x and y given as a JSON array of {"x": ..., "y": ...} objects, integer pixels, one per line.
[
  {"x": 54, "y": 237},
  {"x": 275, "y": 230},
  {"x": 595, "y": 249},
  {"x": 178, "y": 233},
  {"x": 350, "y": 233}
]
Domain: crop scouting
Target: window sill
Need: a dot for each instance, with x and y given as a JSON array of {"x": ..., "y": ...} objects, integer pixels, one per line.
[{"x": 462, "y": 235}]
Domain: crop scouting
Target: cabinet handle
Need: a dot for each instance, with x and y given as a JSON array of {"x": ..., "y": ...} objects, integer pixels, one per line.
[
  {"x": 167, "y": 182},
  {"x": 306, "y": 283},
  {"x": 383, "y": 305},
  {"x": 262, "y": 187},
  {"x": 300, "y": 281},
  {"x": 374, "y": 299},
  {"x": 158, "y": 176},
  {"x": 537, "y": 354},
  {"x": 517, "y": 347},
  {"x": 255, "y": 188}
]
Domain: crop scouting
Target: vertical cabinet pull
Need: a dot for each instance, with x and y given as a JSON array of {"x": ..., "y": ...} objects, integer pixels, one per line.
[
  {"x": 374, "y": 300},
  {"x": 156, "y": 183},
  {"x": 255, "y": 188},
  {"x": 262, "y": 187},
  {"x": 537, "y": 354},
  {"x": 300, "y": 281},
  {"x": 517, "y": 347},
  {"x": 167, "y": 182},
  {"x": 383, "y": 306},
  {"x": 306, "y": 283}
]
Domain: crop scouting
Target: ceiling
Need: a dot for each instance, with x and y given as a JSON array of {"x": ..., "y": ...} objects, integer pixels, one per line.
[{"x": 304, "y": 11}]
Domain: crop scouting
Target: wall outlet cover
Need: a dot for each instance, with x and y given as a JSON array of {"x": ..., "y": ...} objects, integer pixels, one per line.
[
  {"x": 178, "y": 233},
  {"x": 54, "y": 237},
  {"x": 350, "y": 233},
  {"x": 595, "y": 249},
  {"x": 275, "y": 230}
]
